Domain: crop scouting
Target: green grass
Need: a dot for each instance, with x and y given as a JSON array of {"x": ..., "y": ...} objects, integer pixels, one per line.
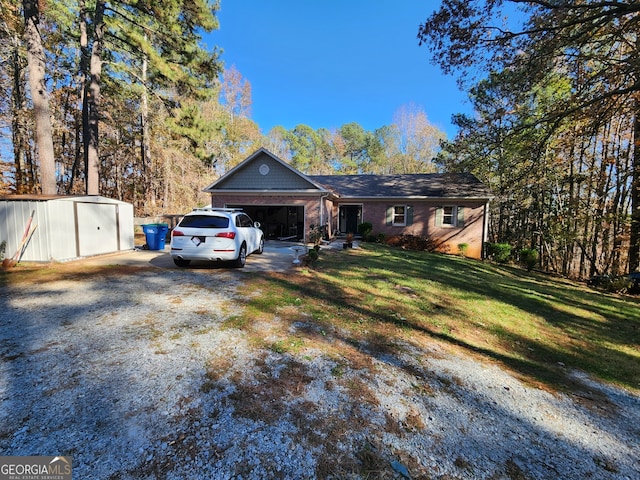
[{"x": 538, "y": 326}]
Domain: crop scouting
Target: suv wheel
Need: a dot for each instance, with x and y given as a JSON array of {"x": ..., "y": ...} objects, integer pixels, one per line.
[
  {"x": 260, "y": 246},
  {"x": 242, "y": 256}
]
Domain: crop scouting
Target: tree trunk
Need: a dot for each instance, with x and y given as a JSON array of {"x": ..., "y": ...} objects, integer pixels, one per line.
[
  {"x": 36, "y": 67},
  {"x": 92, "y": 101},
  {"x": 82, "y": 125},
  {"x": 18, "y": 127},
  {"x": 634, "y": 247},
  {"x": 149, "y": 192},
  {"x": 75, "y": 168}
]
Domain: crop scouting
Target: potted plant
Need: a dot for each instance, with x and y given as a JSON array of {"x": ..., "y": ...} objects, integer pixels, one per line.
[
  {"x": 348, "y": 241},
  {"x": 315, "y": 236}
]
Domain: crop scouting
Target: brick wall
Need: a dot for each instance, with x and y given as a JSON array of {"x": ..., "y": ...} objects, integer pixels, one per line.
[{"x": 446, "y": 238}]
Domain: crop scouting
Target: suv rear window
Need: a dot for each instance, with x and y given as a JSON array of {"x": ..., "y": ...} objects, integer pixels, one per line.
[{"x": 204, "y": 221}]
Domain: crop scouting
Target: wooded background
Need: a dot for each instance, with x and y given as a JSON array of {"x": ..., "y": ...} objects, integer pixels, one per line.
[{"x": 121, "y": 99}]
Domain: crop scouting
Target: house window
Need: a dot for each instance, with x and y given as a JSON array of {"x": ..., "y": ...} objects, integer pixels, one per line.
[
  {"x": 450, "y": 216},
  {"x": 399, "y": 215}
]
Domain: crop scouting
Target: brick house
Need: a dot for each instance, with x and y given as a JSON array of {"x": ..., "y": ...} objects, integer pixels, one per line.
[{"x": 449, "y": 209}]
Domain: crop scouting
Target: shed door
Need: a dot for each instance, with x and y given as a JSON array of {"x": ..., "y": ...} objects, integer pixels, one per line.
[{"x": 97, "y": 228}]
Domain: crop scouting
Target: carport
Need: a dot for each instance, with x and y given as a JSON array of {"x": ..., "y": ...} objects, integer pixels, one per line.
[{"x": 278, "y": 222}]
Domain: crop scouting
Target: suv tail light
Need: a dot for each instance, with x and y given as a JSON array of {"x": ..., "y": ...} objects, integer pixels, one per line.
[
  {"x": 177, "y": 233},
  {"x": 230, "y": 235}
]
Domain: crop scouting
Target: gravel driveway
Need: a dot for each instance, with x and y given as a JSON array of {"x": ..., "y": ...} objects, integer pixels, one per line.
[{"x": 142, "y": 375}]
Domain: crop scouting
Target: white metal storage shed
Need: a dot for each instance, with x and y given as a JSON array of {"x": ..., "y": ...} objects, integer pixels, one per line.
[{"x": 66, "y": 227}]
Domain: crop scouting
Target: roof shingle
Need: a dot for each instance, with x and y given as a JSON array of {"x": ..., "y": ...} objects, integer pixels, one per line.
[{"x": 447, "y": 185}]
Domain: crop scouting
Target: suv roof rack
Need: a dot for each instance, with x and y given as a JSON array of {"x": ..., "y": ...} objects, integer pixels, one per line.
[{"x": 216, "y": 209}]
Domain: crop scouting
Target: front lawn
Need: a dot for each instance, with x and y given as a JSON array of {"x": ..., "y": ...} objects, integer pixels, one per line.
[{"x": 379, "y": 298}]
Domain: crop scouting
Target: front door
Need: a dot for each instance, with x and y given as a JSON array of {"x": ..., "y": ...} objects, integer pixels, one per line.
[{"x": 350, "y": 218}]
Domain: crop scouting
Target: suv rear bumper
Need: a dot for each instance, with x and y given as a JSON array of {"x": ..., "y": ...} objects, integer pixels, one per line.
[{"x": 212, "y": 256}]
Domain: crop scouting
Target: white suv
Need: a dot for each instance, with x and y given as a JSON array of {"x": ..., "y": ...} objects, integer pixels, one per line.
[{"x": 215, "y": 234}]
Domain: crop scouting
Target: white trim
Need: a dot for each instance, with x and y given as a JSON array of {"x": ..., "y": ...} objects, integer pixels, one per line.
[
  {"x": 289, "y": 193},
  {"x": 413, "y": 197},
  {"x": 404, "y": 215},
  {"x": 453, "y": 215}
]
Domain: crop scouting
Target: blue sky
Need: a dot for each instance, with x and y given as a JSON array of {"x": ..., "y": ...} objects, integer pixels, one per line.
[{"x": 325, "y": 64}]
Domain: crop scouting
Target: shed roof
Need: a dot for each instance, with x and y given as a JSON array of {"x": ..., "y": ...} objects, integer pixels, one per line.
[{"x": 32, "y": 197}]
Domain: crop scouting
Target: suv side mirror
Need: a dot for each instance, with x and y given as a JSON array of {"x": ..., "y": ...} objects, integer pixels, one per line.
[{"x": 256, "y": 224}]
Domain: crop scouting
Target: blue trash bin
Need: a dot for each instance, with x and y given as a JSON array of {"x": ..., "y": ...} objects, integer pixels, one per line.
[{"x": 156, "y": 235}]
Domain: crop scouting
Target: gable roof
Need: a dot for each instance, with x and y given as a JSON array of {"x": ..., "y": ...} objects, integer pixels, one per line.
[
  {"x": 421, "y": 185},
  {"x": 263, "y": 171}
]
